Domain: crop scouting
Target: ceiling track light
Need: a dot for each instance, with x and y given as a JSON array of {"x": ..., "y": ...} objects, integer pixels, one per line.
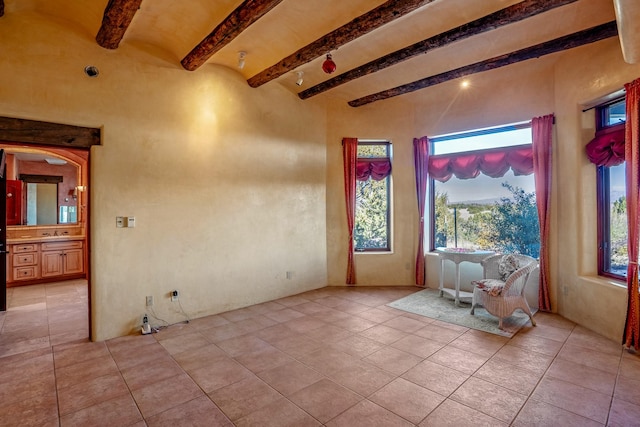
[
  {"x": 300, "y": 75},
  {"x": 241, "y": 59}
]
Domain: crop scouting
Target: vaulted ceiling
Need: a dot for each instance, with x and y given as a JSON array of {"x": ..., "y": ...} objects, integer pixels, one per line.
[{"x": 381, "y": 48}]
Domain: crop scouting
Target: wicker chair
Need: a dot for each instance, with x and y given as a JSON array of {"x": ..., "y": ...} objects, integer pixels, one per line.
[{"x": 511, "y": 297}]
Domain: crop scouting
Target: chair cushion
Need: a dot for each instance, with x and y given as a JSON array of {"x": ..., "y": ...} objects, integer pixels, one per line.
[
  {"x": 492, "y": 286},
  {"x": 507, "y": 265}
]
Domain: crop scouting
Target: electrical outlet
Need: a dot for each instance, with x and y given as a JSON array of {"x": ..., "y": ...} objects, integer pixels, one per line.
[
  {"x": 149, "y": 300},
  {"x": 119, "y": 222},
  {"x": 289, "y": 275},
  {"x": 174, "y": 295}
]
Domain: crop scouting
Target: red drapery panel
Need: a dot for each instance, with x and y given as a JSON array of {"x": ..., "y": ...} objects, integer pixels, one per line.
[
  {"x": 494, "y": 163},
  {"x": 375, "y": 169},
  {"x": 542, "y": 134},
  {"x": 607, "y": 149},
  {"x": 632, "y": 156},
  {"x": 421, "y": 160},
  {"x": 350, "y": 157}
]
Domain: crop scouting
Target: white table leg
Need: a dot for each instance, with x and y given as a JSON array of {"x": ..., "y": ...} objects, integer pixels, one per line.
[{"x": 457, "y": 301}]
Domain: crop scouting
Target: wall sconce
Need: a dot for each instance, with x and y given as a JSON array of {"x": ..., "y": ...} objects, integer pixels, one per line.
[
  {"x": 241, "y": 59},
  {"x": 74, "y": 192},
  {"x": 300, "y": 75}
]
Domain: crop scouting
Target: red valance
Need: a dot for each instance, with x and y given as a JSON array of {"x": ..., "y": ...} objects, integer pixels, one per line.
[
  {"x": 607, "y": 149},
  {"x": 377, "y": 169},
  {"x": 494, "y": 163}
]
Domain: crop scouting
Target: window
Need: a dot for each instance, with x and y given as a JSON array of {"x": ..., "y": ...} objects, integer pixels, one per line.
[
  {"x": 373, "y": 218},
  {"x": 470, "y": 209},
  {"x": 612, "y": 207}
]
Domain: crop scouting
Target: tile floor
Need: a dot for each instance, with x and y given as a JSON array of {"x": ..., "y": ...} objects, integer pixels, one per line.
[{"x": 333, "y": 356}]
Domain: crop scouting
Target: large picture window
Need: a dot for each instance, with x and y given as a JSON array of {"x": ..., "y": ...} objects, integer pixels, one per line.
[
  {"x": 372, "y": 231},
  {"x": 483, "y": 191},
  {"x": 612, "y": 207}
]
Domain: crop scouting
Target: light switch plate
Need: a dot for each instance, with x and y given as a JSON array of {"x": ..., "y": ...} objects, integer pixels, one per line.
[
  {"x": 119, "y": 222},
  {"x": 131, "y": 221}
]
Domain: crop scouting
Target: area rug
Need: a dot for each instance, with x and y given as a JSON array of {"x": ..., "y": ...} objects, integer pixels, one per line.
[{"x": 429, "y": 303}]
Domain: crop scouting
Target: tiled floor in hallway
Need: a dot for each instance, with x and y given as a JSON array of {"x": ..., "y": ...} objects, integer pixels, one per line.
[{"x": 333, "y": 356}]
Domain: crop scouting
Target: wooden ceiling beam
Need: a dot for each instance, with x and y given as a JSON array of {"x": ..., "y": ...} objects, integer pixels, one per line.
[
  {"x": 234, "y": 24},
  {"x": 116, "y": 19},
  {"x": 363, "y": 24},
  {"x": 571, "y": 41},
  {"x": 508, "y": 15},
  {"x": 45, "y": 133},
  {"x": 1, "y": 7}
]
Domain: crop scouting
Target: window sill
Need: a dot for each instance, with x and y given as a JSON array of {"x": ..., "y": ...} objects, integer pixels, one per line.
[
  {"x": 607, "y": 281},
  {"x": 373, "y": 252}
]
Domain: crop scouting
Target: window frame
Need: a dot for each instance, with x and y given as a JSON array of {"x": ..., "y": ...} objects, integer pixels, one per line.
[
  {"x": 603, "y": 197},
  {"x": 389, "y": 157}
]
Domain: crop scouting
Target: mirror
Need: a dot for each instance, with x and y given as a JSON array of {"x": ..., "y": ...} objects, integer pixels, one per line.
[{"x": 42, "y": 189}]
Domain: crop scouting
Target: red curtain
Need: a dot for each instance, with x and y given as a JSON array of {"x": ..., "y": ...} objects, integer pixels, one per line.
[
  {"x": 421, "y": 161},
  {"x": 607, "y": 148},
  {"x": 541, "y": 131},
  {"x": 494, "y": 163},
  {"x": 632, "y": 155},
  {"x": 350, "y": 157},
  {"x": 375, "y": 169}
]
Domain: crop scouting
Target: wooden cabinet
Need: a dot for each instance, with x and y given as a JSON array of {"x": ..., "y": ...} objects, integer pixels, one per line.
[
  {"x": 61, "y": 258},
  {"x": 24, "y": 262},
  {"x": 46, "y": 261}
]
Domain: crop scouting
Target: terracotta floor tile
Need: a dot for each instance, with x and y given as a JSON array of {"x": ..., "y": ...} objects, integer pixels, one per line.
[
  {"x": 237, "y": 315},
  {"x": 362, "y": 378},
  {"x": 357, "y": 345},
  {"x": 493, "y": 400},
  {"x": 208, "y": 322},
  {"x": 120, "y": 411},
  {"x": 377, "y": 315},
  {"x": 436, "y": 377},
  {"x": 404, "y": 324},
  {"x": 143, "y": 375},
  {"x": 168, "y": 393},
  {"x": 460, "y": 360},
  {"x": 595, "y": 359},
  {"x": 329, "y": 334},
  {"x": 39, "y": 410},
  {"x": 383, "y": 334},
  {"x": 628, "y": 389},
  {"x": 276, "y": 333},
  {"x": 83, "y": 371},
  {"x": 280, "y": 413},
  {"x": 290, "y": 377},
  {"x": 255, "y": 323},
  {"x": 545, "y": 331},
  {"x": 291, "y": 301},
  {"x": 630, "y": 366},
  {"x": 305, "y": 324},
  {"x": 573, "y": 398},
  {"x": 79, "y": 353},
  {"x": 508, "y": 376},
  {"x": 222, "y": 332},
  {"x": 220, "y": 372},
  {"x": 583, "y": 375},
  {"x": 536, "y": 413},
  {"x": 368, "y": 414},
  {"x": 523, "y": 358},
  {"x": 201, "y": 357},
  {"x": 351, "y": 307},
  {"x": 623, "y": 413},
  {"x": 310, "y": 308},
  {"x": 355, "y": 323},
  {"x": 284, "y": 315},
  {"x": 324, "y": 399},
  {"x": 453, "y": 414},
  {"x": 199, "y": 412},
  {"x": 244, "y": 397},
  {"x": 407, "y": 399},
  {"x": 582, "y": 337},
  {"x": 139, "y": 355},
  {"x": 26, "y": 388},
  {"x": 261, "y": 360},
  {"x": 393, "y": 360},
  {"x": 243, "y": 344},
  {"x": 551, "y": 319},
  {"x": 91, "y": 392},
  {"x": 479, "y": 342},
  {"x": 186, "y": 342},
  {"x": 327, "y": 360},
  {"x": 298, "y": 346},
  {"x": 538, "y": 344},
  {"x": 331, "y": 301},
  {"x": 438, "y": 333},
  {"x": 418, "y": 346}
]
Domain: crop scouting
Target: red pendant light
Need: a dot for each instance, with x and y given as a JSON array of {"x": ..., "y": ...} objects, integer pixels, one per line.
[{"x": 328, "y": 66}]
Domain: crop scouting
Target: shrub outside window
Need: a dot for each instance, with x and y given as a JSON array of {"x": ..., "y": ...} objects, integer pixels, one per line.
[
  {"x": 372, "y": 231},
  {"x": 612, "y": 207},
  {"x": 485, "y": 213}
]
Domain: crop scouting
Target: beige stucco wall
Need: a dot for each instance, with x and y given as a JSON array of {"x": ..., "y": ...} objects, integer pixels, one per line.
[{"x": 227, "y": 183}]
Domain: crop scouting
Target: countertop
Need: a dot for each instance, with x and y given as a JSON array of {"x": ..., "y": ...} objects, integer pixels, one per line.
[{"x": 44, "y": 239}]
